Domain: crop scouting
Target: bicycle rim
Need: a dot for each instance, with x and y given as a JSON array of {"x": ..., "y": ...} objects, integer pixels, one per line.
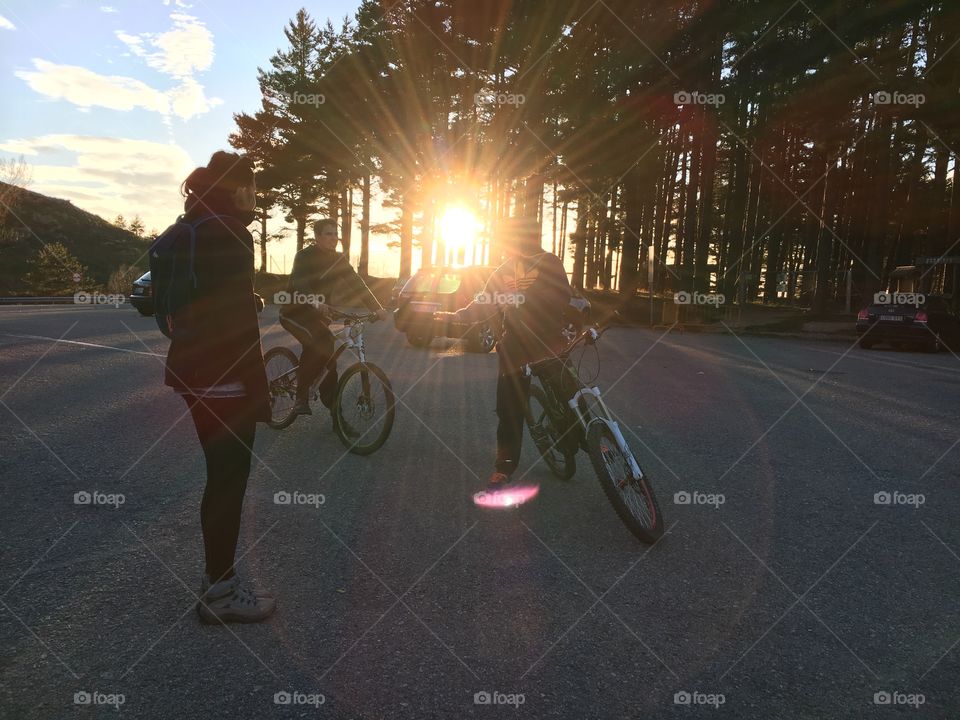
[
  {"x": 364, "y": 408},
  {"x": 633, "y": 499},
  {"x": 547, "y": 438},
  {"x": 281, "y": 367}
]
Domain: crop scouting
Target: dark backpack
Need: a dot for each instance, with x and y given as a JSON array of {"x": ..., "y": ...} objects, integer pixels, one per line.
[{"x": 172, "y": 277}]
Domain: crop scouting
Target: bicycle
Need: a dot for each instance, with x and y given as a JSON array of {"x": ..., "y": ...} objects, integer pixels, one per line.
[
  {"x": 560, "y": 429},
  {"x": 364, "y": 392}
]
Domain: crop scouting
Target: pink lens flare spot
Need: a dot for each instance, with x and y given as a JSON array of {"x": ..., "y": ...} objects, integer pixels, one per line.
[{"x": 511, "y": 496}]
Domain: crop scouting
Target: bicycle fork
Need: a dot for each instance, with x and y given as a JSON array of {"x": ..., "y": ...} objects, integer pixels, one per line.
[{"x": 608, "y": 420}]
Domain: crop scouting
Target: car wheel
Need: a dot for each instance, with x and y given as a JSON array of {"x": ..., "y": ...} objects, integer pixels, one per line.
[
  {"x": 934, "y": 346},
  {"x": 482, "y": 339},
  {"x": 866, "y": 344},
  {"x": 419, "y": 340},
  {"x": 145, "y": 312}
]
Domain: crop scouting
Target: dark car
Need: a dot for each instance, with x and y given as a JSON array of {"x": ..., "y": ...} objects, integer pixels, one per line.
[
  {"x": 395, "y": 293},
  {"x": 903, "y": 319},
  {"x": 141, "y": 296},
  {"x": 448, "y": 289}
]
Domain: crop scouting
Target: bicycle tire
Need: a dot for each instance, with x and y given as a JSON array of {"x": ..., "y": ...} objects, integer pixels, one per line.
[
  {"x": 282, "y": 385},
  {"x": 561, "y": 461},
  {"x": 602, "y": 445},
  {"x": 345, "y": 430}
]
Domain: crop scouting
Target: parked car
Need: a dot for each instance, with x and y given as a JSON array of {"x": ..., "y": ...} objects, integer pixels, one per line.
[
  {"x": 395, "y": 293},
  {"x": 141, "y": 296},
  {"x": 447, "y": 289},
  {"x": 909, "y": 319}
]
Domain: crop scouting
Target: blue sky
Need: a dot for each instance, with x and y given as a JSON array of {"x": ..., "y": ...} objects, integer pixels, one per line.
[{"x": 113, "y": 102}]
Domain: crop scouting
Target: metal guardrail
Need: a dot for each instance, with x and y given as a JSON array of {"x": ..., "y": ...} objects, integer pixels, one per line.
[{"x": 25, "y": 300}]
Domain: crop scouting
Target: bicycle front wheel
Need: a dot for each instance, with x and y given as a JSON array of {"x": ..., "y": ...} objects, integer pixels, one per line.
[
  {"x": 548, "y": 439},
  {"x": 281, "y": 364},
  {"x": 632, "y": 499},
  {"x": 364, "y": 408}
]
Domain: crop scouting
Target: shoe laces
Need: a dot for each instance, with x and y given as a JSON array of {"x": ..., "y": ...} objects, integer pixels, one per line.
[{"x": 243, "y": 595}]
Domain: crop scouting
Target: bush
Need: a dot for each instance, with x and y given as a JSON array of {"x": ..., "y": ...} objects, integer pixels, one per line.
[{"x": 122, "y": 278}]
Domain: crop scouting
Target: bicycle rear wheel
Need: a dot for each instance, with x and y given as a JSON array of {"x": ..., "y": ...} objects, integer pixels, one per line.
[
  {"x": 633, "y": 500},
  {"x": 281, "y": 364},
  {"x": 364, "y": 409},
  {"x": 548, "y": 439}
]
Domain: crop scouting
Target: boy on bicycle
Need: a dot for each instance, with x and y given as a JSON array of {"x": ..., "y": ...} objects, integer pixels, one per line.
[
  {"x": 532, "y": 292},
  {"x": 320, "y": 276}
]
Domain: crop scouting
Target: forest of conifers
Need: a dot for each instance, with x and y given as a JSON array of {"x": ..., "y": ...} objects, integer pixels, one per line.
[{"x": 763, "y": 148}]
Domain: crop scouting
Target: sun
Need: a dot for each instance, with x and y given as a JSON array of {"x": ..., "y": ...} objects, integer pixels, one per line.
[{"x": 458, "y": 230}]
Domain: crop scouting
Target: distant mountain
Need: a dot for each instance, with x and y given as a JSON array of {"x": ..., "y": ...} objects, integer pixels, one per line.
[{"x": 95, "y": 242}]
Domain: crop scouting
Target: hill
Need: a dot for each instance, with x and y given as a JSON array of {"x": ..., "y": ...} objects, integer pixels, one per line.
[{"x": 38, "y": 219}]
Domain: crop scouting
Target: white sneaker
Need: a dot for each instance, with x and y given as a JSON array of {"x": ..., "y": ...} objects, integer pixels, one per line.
[{"x": 232, "y": 601}]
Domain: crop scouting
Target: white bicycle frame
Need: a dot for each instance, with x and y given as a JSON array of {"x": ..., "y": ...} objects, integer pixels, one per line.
[
  {"x": 586, "y": 418},
  {"x": 351, "y": 335},
  {"x": 607, "y": 420}
]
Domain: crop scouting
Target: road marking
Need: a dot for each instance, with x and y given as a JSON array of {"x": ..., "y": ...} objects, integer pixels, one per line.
[
  {"x": 892, "y": 363},
  {"x": 85, "y": 344}
]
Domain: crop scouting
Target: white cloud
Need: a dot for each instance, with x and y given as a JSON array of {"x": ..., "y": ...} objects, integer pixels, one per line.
[
  {"x": 108, "y": 176},
  {"x": 85, "y": 88},
  {"x": 180, "y": 52},
  {"x": 107, "y": 9},
  {"x": 6, "y": 24}
]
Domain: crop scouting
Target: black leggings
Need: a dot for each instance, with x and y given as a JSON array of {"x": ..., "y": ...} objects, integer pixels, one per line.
[
  {"x": 512, "y": 392},
  {"x": 310, "y": 328},
  {"x": 228, "y": 468}
]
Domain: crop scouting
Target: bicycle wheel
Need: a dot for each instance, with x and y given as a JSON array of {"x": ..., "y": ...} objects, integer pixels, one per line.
[
  {"x": 281, "y": 364},
  {"x": 364, "y": 408},
  {"x": 633, "y": 500},
  {"x": 547, "y": 438}
]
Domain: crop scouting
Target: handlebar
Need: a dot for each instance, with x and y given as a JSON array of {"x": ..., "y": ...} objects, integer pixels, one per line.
[{"x": 590, "y": 335}]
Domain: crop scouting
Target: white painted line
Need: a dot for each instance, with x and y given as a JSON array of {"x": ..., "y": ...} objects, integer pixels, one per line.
[{"x": 85, "y": 344}]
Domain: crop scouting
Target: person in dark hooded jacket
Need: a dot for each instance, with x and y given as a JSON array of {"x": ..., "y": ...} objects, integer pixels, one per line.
[{"x": 217, "y": 367}]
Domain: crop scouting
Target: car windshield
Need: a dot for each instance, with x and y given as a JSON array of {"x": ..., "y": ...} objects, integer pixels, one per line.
[
  {"x": 422, "y": 282},
  {"x": 449, "y": 282}
]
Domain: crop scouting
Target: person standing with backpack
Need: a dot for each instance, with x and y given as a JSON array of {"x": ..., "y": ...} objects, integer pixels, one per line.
[{"x": 206, "y": 305}]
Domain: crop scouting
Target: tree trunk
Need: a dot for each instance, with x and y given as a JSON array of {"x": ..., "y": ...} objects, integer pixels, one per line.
[{"x": 364, "y": 266}]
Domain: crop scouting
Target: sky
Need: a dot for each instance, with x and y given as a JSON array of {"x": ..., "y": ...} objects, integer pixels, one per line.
[{"x": 113, "y": 103}]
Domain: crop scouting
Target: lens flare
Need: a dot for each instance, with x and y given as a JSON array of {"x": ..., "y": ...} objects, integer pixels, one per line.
[{"x": 509, "y": 497}]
